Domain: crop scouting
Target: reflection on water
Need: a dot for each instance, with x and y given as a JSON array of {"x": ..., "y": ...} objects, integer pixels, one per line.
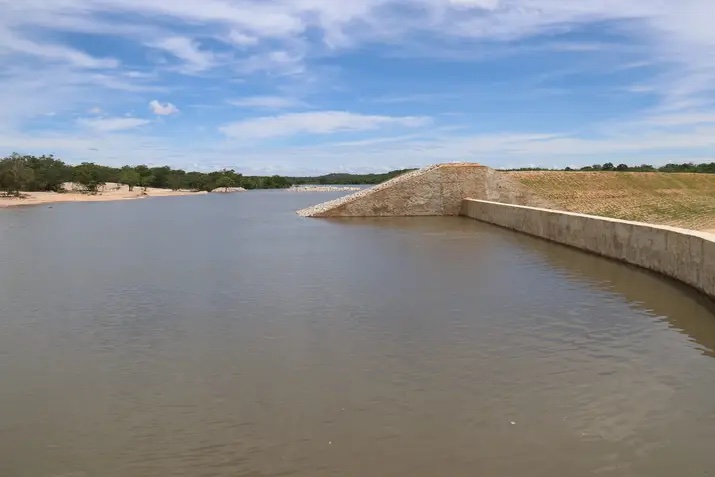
[
  {"x": 680, "y": 306},
  {"x": 225, "y": 336}
]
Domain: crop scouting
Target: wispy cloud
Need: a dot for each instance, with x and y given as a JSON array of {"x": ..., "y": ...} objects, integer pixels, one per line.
[
  {"x": 242, "y": 39},
  {"x": 14, "y": 44},
  {"x": 268, "y": 102},
  {"x": 194, "y": 59},
  {"x": 319, "y": 122},
  {"x": 112, "y": 124}
]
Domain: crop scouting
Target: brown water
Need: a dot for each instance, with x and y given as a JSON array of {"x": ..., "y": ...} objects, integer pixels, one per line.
[{"x": 225, "y": 336}]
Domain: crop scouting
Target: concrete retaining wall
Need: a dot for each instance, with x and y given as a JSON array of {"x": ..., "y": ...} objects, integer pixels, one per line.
[
  {"x": 686, "y": 255},
  {"x": 433, "y": 190}
]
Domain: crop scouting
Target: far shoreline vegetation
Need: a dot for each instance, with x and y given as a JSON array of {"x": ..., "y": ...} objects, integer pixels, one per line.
[{"x": 48, "y": 174}]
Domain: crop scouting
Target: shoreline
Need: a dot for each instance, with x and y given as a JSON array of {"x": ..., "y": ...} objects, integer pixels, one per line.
[{"x": 110, "y": 192}]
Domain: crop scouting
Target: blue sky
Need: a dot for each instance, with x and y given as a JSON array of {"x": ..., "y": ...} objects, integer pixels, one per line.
[{"x": 313, "y": 86}]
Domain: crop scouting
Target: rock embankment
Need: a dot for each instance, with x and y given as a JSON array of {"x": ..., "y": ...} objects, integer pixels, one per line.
[
  {"x": 321, "y": 209},
  {"x": 322, "y": 188}
]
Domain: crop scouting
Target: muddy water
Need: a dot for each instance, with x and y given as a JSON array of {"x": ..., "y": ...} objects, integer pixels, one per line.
[{"x": 225, "y": 336}]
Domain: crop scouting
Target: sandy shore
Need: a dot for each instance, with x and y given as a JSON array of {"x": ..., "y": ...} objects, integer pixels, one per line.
[{"x": 108, "y": 192}]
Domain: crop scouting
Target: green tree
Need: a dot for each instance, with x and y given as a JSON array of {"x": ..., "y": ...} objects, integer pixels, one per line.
[
  {"x": 50, "y": 174},
  {"x": 146, "y": 181},
  {"x": 15, "y": 174},
  {"x": 161, "y": 177},
  {"x": 225, "y": 182},
  {"x": 129, "y": 177},
  {"x": 89, "y": 176},
  {"x": 622, "y": 167},
  {"x": 146, "y": 178},
  {"x": 175, "y": 180},
  {"x": 608, "y": 166}
]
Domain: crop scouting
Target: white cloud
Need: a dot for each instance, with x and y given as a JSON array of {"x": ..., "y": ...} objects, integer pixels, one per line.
[
  {"x": 195, "y": 59},
  {"x": 268, "y": 102},
  {"x": 13, "y": 44},
  {"x": 112, "y": 124},
  {"x": 481, "y": 4},
  {"x": 241, "y": 39},
  {"x": 683, "y": 119},
  {"x": 163, "y": 109},
  {"x": 280, "y": 62},
  {"x": 319, "y": 122},
  {"x": 678, "y": 34}
]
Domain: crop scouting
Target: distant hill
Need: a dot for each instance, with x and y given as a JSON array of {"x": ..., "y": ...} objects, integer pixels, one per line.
[{"x": 342, "y": 178}]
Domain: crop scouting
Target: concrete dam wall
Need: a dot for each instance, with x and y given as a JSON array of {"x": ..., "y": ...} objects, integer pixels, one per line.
[
  {"x": 685, "y": 255},
  {"x": 433, "y": 190},
  {"x": 491, "y": 196}
]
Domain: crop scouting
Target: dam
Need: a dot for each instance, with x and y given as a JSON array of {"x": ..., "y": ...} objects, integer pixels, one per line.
[{"x": 488, "y": 195}]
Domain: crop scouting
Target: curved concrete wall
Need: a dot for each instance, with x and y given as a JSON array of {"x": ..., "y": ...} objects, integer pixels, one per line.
[{"x": 686, "y": 255}]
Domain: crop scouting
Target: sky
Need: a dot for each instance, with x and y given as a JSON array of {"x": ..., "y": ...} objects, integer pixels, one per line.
[{"x": 312, "y": 86}]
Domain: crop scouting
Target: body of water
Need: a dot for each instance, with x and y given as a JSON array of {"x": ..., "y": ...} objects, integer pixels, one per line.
[{"x": 222, "y": 335}]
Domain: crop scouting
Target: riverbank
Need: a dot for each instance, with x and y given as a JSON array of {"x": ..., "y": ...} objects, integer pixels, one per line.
[{"x": 107, "y": 193}]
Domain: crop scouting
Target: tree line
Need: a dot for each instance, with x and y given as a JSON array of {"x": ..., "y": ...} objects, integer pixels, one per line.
[
  {"x": 47, "y": 173},
  {"x": 705, "y": 168},
  {"x": 343, "y": 178}
]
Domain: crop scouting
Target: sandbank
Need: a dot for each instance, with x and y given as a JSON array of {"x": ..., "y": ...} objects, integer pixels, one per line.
[{"x": 106, "y": 193}]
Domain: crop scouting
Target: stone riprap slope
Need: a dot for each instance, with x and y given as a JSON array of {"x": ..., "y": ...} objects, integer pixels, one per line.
[
  {"x": 326, "y": 208},
  {"x": 433, "y": 190}
]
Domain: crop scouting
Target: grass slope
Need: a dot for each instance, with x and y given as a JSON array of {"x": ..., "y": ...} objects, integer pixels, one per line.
[{"x": 678, "y": 199}]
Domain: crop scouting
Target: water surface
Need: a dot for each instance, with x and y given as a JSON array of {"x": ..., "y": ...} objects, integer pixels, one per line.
[{"x": 223, "y": 335}]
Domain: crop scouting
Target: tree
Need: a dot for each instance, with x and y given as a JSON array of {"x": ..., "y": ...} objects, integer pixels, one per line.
[
  {"x": 146, "y": 181},
  {"x": 129, "y": 177},
  {"x": 622, "y": 167},
  {"x": 88, "y": 175},
  {"x": 608, "y": 166},
  {"x": 15, "y": 174},
  {"x": 176, "y": 179},
  {"x": 146, "y": 178},
  {"x": 225, "y": 182},
  {"x": 50, "y": 174},
  {"x": 161, "y": 177}
]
